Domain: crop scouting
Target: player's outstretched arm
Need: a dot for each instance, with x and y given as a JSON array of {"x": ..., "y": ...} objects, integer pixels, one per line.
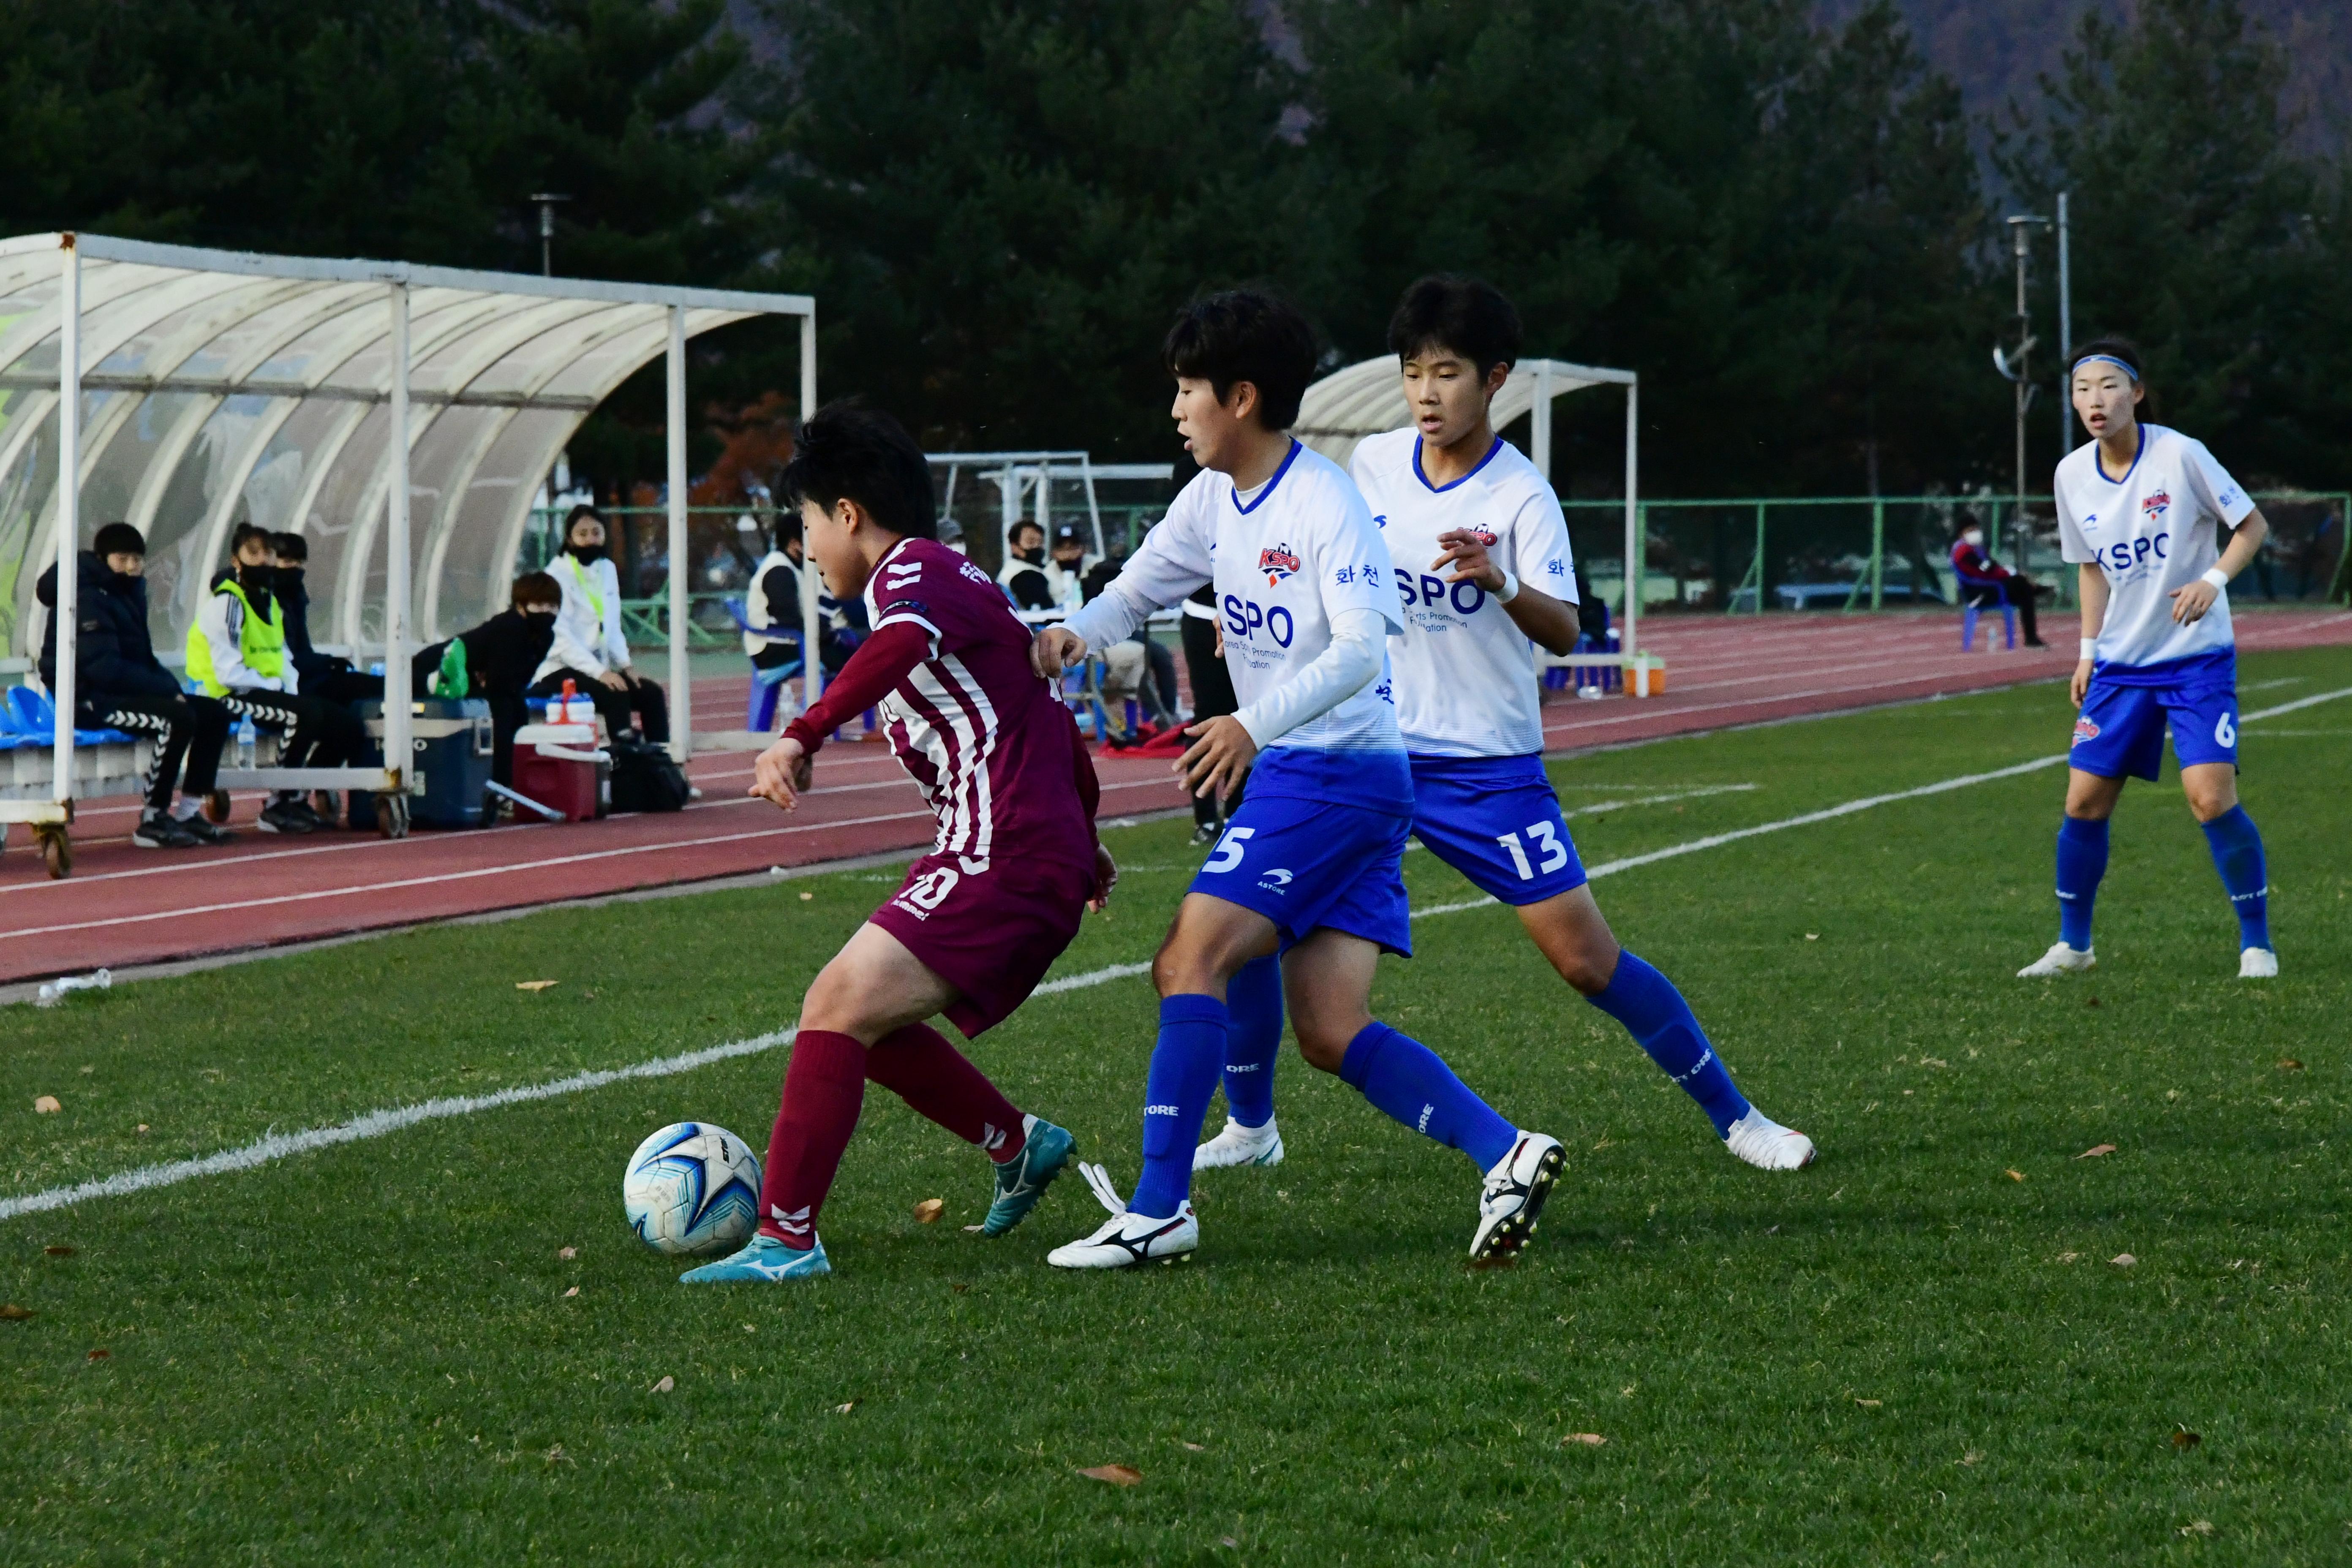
[{"x": 2191, "y": 600}]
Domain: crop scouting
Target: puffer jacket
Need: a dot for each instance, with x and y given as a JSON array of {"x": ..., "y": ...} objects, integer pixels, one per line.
[{"x": 113, "y": 651}]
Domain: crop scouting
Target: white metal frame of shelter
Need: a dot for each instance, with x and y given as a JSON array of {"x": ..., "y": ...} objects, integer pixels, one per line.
[
  {"x": 237, "y": 358},
  {"x": 1024, "y": 473},
  {"x": 1368, "y": 399}
]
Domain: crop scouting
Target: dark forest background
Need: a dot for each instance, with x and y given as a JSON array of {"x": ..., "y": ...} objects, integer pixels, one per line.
[{"x": 1781, "y": 213}]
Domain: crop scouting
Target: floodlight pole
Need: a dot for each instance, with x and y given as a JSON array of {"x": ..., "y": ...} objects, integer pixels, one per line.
[
  {"x": 2065, "y": 333},
  {"x": 399, "y": 753},
  {"x": 67, "y": 617},
  {"x": 681, "y": 699},
  {"x": 2021, "y": 232},
  {"x": 547, "y": 200},
  {"x": 812, "y": 635}
]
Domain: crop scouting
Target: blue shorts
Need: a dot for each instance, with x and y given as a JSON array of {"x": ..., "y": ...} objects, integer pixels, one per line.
[
  {"x": 1496, "y": 820},
  {"x": 2121, "y": 729},
  {"x": 1304, "y": 864}
]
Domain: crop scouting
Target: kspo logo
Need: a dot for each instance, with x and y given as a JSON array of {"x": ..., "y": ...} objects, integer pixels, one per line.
[
  {"x": 2125, "y": 554},
  {"x": 1436, "y": 592},
  {"x": 1247, "y": 617}
]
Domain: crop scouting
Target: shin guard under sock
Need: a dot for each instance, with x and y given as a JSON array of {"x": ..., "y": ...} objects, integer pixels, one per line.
[
  {"x": 2238, "y": 856},
  {"x": 1253, "y": 1040},
  {"x": 1185, "y": 1062},
  {"x": 2082, "y": 861},
  {"x": 1413, "y": 1084},
  {"x": 1661, "y": 1024},
  {"x": 825, "y": 1087},
  {"x": 937, "y": 1080}
]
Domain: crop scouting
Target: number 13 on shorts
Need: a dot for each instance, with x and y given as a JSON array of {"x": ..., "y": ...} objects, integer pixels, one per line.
[{"x": 1543, "y": 837}]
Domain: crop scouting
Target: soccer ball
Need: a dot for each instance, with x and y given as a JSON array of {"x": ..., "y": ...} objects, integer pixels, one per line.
[{"x": 692, "y": 1188}]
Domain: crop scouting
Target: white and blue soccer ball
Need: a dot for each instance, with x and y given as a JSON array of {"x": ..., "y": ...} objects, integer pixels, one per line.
[{"x": 692, "y": 1188}]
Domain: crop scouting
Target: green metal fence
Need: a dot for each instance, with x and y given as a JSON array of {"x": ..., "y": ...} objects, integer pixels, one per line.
[{"x": 1750, "y": 554}]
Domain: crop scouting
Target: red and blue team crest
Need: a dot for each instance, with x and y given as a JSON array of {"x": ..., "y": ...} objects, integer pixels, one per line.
[
  {"x": 1482, "y": 536},
  {"x": 2085, "y": 730},
  {"x": 2155, "y": 505},
  {"x": 1276, "y": 563}
]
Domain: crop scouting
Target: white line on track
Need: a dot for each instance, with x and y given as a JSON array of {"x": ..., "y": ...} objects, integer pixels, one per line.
[{"x": 377, "y": 1123}]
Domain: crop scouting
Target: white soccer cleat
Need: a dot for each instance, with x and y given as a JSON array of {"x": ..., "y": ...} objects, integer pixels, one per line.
[
  {"x": 1128, "y": 1239},
  {"x": 2060, "y": 960},
  {"x": 1767, "y": 1145},
  {"x": 1514, "y": 1196},
  {"x": 1240, "y": 1145},
  {"x": 2253, "y": 964}
]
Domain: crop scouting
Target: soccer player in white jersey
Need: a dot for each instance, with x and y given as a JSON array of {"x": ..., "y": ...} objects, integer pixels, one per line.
[
  {"x": 1481, "y": 560},
  {"x": 1310, "y": 865},
  {"x": 2139, "y": 508}
]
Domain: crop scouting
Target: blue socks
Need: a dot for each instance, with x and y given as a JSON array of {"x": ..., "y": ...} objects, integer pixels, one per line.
[
  {"x": 1662, "y": 1023},
  {"x": 1408, "y": 1081},
  {"x": 2238, "y": 856},
  {"x": 1253, "y": 1041},
  {"x": 1184, "y": 1065},
  {"x": 2082, "y": 861}
]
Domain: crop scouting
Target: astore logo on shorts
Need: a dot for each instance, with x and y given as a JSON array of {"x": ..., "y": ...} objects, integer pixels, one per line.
[{"x": 2085, "y": 731}]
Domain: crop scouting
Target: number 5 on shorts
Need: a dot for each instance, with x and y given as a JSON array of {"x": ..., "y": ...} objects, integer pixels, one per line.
[
  {"x": 1229, "y": 850},
  {"x": 1544, "y": 835}
]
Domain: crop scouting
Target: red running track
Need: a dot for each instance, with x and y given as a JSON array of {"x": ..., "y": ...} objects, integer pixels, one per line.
[{"x": 126, "y": 906}]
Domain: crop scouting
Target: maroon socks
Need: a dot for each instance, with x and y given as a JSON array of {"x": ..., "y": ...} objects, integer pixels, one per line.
[{"x": 919, "y": 1066}]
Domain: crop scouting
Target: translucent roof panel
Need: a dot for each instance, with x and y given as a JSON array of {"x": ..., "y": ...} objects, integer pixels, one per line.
[
  {"x": 1368, "y": 397},
  {"x": 219, "y": 387}
]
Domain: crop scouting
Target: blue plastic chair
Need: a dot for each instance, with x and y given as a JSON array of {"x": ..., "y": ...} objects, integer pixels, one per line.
[
  {"x": 31, "y": 716},
  {"x": 766, "y": 685},
  {"x": 1970, "y": 609}
]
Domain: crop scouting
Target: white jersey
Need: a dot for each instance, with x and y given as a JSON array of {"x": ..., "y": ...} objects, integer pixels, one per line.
[
  {"x": 1301, "y": 551},
  {"x": 2151, "y": 529},
  {"x": 1465, "y": 673}
]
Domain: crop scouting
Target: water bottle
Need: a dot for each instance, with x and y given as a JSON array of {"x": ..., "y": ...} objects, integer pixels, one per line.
[{"x": 245, "y": 736}]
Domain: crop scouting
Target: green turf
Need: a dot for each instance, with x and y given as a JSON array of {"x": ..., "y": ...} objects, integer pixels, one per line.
[{"x": 368, "y": 1354}]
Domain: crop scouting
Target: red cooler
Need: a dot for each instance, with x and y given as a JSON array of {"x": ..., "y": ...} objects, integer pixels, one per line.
[{"x": 556, "y": 765}]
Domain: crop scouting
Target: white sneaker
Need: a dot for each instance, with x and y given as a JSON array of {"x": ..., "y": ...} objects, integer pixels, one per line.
[
  {"x": 1767, "y": 1145},
  {"x": 1128, "y": 1239},
  {"x": 2060, "y": 960},
  {"x": 1240, "y": 1145},
  {"x": 2253, "y": 964},
  {"x": 1514, "y": 1195}
]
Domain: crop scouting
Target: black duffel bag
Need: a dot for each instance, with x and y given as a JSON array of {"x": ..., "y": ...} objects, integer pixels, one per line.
[{"x": 647, "y": 778}]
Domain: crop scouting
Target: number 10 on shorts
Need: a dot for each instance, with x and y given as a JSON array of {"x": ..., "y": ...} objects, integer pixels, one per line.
[{"x": 1545, "y": 839}]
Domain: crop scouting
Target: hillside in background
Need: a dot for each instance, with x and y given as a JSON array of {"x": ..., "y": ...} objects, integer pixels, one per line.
[{"x": 1997, "y": 49}]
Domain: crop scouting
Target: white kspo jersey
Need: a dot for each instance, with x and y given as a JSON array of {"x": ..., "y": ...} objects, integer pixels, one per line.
[
  {"x": 2151, "y": 529},
  {"x": 1299, "y": 551},
  {"x": 1465, "y": 673}
]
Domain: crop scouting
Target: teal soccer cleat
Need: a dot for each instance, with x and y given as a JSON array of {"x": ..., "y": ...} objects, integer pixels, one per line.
[
  {"x": 764, "y": 1258},
  {"x": 1021, "y": 1180}
]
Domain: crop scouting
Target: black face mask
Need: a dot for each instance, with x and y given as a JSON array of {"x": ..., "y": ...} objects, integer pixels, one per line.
[
  {"x": 289, "y": 579},
  {"x": 584, "y": 554},
  {"x": 544, "y": 620},
  {"x": 252, "y": 578}
]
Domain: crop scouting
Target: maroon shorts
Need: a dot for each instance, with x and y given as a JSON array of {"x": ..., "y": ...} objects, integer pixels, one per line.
[{"x": 991, "y": 935}]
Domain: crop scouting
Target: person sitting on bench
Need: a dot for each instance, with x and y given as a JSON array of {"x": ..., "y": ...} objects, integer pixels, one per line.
[
  {"x": 1984, "y": 580},
  {"x": 502, "y": 655},
  {"x": 592, "y": 652},
  {"x": 326, "y": 675},
  {"x": 120, "y": 684},
  {"x": 773, "y": 605},
  {"x": 237, "y": 652}
]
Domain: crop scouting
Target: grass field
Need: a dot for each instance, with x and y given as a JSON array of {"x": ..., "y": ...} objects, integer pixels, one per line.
[{"x": 1917, "y": 1351}]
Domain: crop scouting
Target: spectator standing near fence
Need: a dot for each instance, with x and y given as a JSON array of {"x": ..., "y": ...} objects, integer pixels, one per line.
[
  {"x": 1986, "y": 581},
  {"x": 591, "y": 649},
  {"x": 237, "y": 652},
  {"x": 120, "y": 684}
]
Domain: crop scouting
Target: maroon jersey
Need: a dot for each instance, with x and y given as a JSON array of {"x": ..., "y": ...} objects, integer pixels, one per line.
[{"x": 994, "y": 752}]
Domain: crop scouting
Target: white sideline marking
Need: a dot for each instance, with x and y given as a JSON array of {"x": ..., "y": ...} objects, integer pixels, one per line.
[{"x": 377, "y": 1123}]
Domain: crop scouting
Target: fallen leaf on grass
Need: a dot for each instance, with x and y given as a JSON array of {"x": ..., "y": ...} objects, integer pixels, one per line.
[
  {"x": 46, "y": 1105},
  {"x": 141, "y": 1128},
  {"x": 12, "y": 1314},
  {"x": 1972, "y": 1456},
  {"x": 807, "y": 897},
  {"x": 567, "y": 1252},
  {"x": 1590, "y": 1440},
  {"x": 2014, "y": 1176},
  {"x": 845, "y": 1409},
  {"x": 960, "y": 1288},
  {"x": 665, "y": 1385},
  {"x": 1197, "y": 1447},
  {"x": 2288, "y": 1064},
  {"x": 1813, "y": 936},
  {"x": 535, "y": 984},
  {"x": 929, "y": 1211},
  {"x": 573, "y": 1291},
  {"x": 2068, "y": 1256},
  {"x": 2123, "y": 1260},
  {"x": 971, "y": 1230},
  {"x": 1117, "y": 1474},
  {"x": 2183, "y": 1438},
  {"x": 1227, "y": 1540},
  {"x": 101, "y": 1353},
  {"x": 2096, "y": 1150},
  {"x": 1870, "y": 1403},
  {"x": 2198, "y": 1526},
  {"x": 57, "y": 1251}
]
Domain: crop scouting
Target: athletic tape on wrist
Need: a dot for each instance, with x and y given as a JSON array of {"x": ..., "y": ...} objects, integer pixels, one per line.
[
  {"x": 2219, "y": 578},
  {"x": 1510, "y": 589},
  {"x": 2090, "y": 647}
]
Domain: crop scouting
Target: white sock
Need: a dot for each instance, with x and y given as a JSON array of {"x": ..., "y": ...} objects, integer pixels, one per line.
[{"x": 189, "y": 806}]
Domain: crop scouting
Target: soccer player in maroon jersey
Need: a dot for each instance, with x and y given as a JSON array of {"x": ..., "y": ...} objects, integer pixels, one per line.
[{"x": 980, "y": 919}]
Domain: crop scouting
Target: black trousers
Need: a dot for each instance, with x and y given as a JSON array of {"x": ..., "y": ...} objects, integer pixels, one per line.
[
  {"x": 190, "y": 730},
  {"x": 1213, "y": 695},
  {"x": 2021, "y": 592},
  {"x": 319, "y": 734},
  {"x": 643, "y": 697}
]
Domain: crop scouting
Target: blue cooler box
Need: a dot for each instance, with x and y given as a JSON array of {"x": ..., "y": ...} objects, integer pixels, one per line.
[{"x": 449, "y": 765}]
